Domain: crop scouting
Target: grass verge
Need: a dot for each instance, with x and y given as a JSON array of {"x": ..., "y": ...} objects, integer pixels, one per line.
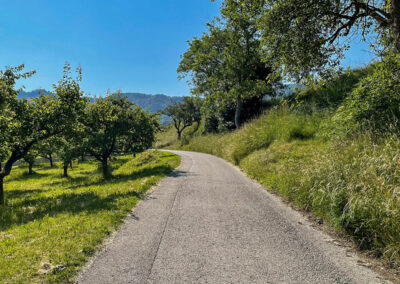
[
  {"x": 351, "y": 183},
  {"x": 51, "y": 225}
]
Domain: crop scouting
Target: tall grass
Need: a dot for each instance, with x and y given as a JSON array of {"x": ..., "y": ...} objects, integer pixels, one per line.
[
  {"x": 352, "y": 183},
  {"x": 277, "y": 125}
]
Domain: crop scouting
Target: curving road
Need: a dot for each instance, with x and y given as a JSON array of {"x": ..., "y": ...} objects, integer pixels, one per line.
[{"x": 208, "y": 223}]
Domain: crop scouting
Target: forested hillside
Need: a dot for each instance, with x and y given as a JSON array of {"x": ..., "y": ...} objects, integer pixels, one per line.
[{"x": 152, "y": 103}]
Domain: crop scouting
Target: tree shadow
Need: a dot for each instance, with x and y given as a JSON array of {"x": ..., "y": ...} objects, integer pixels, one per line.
[
  {"x": 120, "y": 178},
  {"x": 144, "y": 172},
  {"x": 178, "y": 173},
  {"x": 15, "y": 194},
  {"x": 35, "y": 207},
  {"x": 25, "y": 176},
  {"x": 73, "y": 203}
]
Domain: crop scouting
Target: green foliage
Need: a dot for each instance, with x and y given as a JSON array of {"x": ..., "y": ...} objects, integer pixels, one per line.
[
  {"x": 306, "y": 37},
  {"x": 225, "y": 63},
  {"x": 49, "y": 220},
  {"x": 26, "y": 123},
  {"x": 47, "y": 149},
  {"x": 220, "y": 118},
  {"x": 184, "y": 114},
  {"x": 374, "y": 104},
  {"x": 330, "y": 93},
  {"x": 30, "y": 159},
  {"x": 114, "y": 124},
  {"x": 71, "y": 145}
]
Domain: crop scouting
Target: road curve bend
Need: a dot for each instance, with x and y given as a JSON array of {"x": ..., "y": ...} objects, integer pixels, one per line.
[{"x": 209, "y": 223}]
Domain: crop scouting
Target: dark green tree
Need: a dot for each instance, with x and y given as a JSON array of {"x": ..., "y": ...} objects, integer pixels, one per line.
[
  {"x": 26, "y": 123},
  {"x": 306, "y": 37},
  {"x": 142, "y": 136},
  {"x": 225, "y": 63}
]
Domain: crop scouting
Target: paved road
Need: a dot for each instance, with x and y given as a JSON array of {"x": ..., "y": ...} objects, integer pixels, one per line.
[{"x": 208, "y": 223}]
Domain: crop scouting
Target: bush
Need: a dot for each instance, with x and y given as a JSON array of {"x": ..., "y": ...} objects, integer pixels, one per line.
[
  {"x": 375, "y": 103},
  {"x": 331, "y": 94}
]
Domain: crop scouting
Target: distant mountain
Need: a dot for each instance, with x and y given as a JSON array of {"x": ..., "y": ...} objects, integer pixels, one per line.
[
  {"x": 32, "y": 94},
  {"x": 152, "y": 103}
]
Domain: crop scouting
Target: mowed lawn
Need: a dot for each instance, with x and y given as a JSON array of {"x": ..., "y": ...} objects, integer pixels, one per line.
[{"x": 51, "y": 225}]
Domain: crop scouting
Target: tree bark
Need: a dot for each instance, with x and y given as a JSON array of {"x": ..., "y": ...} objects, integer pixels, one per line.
[
  {"x": 238, "y": 112},
  {"x": 65, "y": 169},
  {"x": 30, "y": 168},
  {"x": 1, "y": 190},
  {"x": 70, "y": 164},
  {"x": 179, "y": 135},
  {"x": 106, "y": 173},
  {"x": 51, "y": 161},
  {"x": 396, "y": 23}
]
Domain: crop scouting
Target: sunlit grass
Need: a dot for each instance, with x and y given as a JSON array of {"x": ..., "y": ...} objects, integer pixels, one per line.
[
  {"x": 50, "y": 225},
  {"x": 353, "y": 183}
]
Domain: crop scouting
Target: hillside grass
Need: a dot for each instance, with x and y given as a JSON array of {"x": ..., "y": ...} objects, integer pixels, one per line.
[
  {"x": 352, "y": 183},
  {"x": 51, "y": 225}
]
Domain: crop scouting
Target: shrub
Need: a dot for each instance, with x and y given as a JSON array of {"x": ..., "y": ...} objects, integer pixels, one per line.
[{"x": 375, "y": 103}]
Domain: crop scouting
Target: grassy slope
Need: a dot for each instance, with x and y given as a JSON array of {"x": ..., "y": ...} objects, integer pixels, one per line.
[
  {"x": 50, "y": 220},
  {"x": 352, "y": 184}
]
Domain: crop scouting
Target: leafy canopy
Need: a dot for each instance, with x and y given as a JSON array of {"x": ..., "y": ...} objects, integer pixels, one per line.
[
  {"x": 304, "y": 37},
  {"x": 184, "y": 114},
  {"x": 25, "y": 123},
  {"x": 113, "y": 124},
  {"x": 225, "y": 64}
]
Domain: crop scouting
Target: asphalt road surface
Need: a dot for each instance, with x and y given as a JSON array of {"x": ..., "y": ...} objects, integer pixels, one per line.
[{"x": 209, "y": 223}]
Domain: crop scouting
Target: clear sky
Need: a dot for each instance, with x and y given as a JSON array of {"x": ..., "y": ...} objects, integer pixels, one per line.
[{"x": 132, "y": 45}]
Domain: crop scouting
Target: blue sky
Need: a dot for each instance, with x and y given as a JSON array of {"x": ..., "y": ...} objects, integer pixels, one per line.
[{"x": 130, "y": 45}]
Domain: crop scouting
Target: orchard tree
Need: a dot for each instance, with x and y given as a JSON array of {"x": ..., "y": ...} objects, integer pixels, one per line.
[
  {"x": 47, "y": 148},
  {"x": 30, "y": 159},
  {"x": 25, "y": 123},
  {"x": 113, "y": 124},
  {"x": 306, "y": 37},
  {"x": 142, "y": 136},
  {"x": 70, "y": 148},
  {"x": 225, "y": 64},
  {"x": 71, "y": 144},
  {"x": 184, "y": 114}
]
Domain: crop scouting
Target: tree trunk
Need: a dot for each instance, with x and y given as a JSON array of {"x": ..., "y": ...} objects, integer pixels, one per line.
[
  {"x": 238, "y": 112},
  {"x": 65, "y": 170},
  {"x": 70, "y": 165},
  {"x": 106, "y": 172},
  {"x": 51, "y": 161},
  {"x": 1, "y": 190},
  {"x": 30, "y": 168},
  {"x": 82, "y": 158},
  {"x": 396, "y": 23},
  {"x": 179, "y": 135}
]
